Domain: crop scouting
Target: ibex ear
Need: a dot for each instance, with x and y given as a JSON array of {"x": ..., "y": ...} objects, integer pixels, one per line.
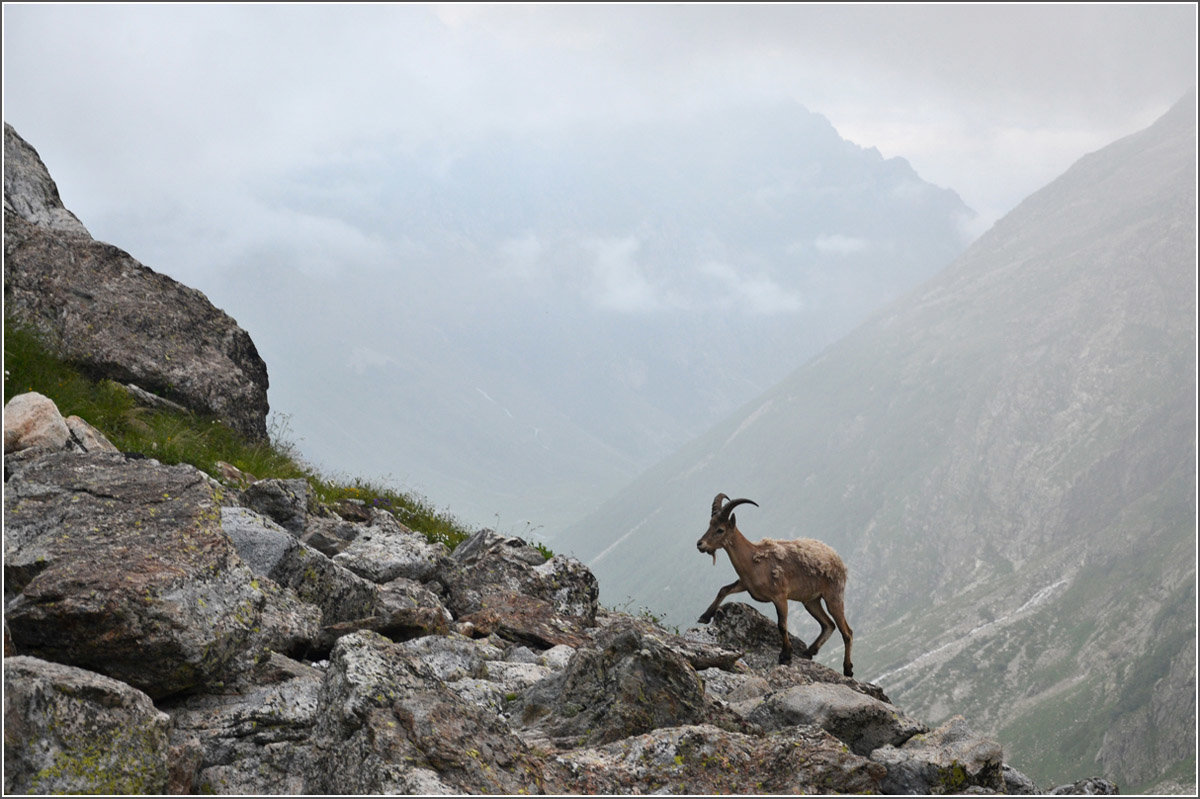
[{"x": 733, "y": 520}]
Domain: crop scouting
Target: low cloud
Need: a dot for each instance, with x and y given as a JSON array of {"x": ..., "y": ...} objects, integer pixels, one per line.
[
  {"x": 757, "y": 294},
  {"x": 521, "y": 256},
  {"x": 618, "y": 283},
  {"x": 837, "y": 244}
]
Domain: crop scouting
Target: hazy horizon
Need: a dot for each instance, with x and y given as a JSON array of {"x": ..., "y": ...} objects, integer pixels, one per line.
[{"x": 304, "y": 166}]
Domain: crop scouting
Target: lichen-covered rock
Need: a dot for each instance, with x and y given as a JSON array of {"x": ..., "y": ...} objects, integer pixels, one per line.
[
  {"x": 408, "y": 609},
  {"x": 704, "y": 759},
  {"x": 386, "y": 726},
  {"x": 451, "y": 657},
  {"x": 104, "y": 310},
  {"x": 285, "y": 502},
  {"x": 261, "y": 543},
  {"x": 862, "y": 722},
  {"x": 69, "y": 730},
  {"x": 627, "y": 683},
  {"x": 329, "y": 536},
  {"x": 950, "y": 759},
  {"x": 252, "y": 738},
  {"x": 32, "y": 420},
  {"x": 386, "y": 549},
  {"x": 288, "y": 625},
  {"x": 339, "y": 593},
  {"x": 120, "y": 566},
  {"x": 488, "y": 563},
  {"x": 342, "y": 601},
  {"x": 740, "y": 627},
  {"x": 736, "y": 625},
  {"x": 701, "y": 651},
  {"x": 500, "y": 584},
  {"x": 1092, "y": 786}
]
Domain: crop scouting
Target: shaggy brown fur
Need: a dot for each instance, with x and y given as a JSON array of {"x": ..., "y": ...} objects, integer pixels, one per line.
[{"x": 805, "y": 570}]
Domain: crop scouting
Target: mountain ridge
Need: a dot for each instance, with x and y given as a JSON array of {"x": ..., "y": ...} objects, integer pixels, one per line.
[
  {"x": 616, "y": 297},
  {"x": 1007, "y": 425}
]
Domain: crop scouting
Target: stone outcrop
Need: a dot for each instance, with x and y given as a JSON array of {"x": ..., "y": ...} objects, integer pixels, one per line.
[
  {"x": 121, "y": 566},
  {"x": 174, "y": 640},
  {"x": 74, "y": 731},
  {"x": 164, "y": 632},
  {"x": 114, "y": 317}
]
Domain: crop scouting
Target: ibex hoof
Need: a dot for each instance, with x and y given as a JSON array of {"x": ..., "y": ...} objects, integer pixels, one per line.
[
  {"x": 705, "y": 619},
  {"x": 848, "y": 671},
  {"x": 785, "y": 658}
]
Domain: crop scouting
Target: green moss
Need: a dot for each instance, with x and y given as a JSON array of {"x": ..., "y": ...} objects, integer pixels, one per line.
[{"x": 953, "y": 779}]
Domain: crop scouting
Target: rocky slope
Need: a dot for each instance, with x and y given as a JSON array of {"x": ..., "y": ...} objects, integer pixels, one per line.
[
  {"x": 1006, "y": 460},
  {"x": 115, "y": 317},
  {"x": 166, "y": 633}
]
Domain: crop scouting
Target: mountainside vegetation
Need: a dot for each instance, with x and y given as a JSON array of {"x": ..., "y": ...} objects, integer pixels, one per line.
[
  {"x": 175, "y": 435},
  {"x": 1006, "y": 460}
]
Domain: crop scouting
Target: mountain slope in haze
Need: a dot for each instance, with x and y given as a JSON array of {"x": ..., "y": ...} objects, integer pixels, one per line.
[
  {"x": 1006, "y": 460},
  {"x": 548, "y": 317}
]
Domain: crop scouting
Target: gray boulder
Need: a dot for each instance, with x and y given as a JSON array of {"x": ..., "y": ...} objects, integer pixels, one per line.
[
  {"x": 386, "y": 726},
  {"x": 86, "y": 438},
  {"x": 500, "y": 584},
  {"x": 341, "y": 594},
  {"x": 452, "y": 657},
  {"x": 120, "y": 566},
  {"x": 32, "y": 422},
  {"x": 740, "y": 627},
  {"x": 329, "y": 536},
  {"x": 1092, "y": 786},
  {"x": 950, "y": 759},
  {"x": 117, "y": 318},
  {"x": 488, "y": 563},
  {"x": 1017, "y": 783},
  {"x": 289, "y": 625},
  {"x": 305, "y": 589},
  {"x": 68, "y": 730},
  {"x": 29, "y": 192},
  {"x": 862, "y": 722},
  {"x": 736, "y": 625},
  {"x": 386, "y": 549},
  {"x": 251, "y": 739},
  {"x": 627, "y": 683},
  {"x": 707, "y": 760},
  {"x": 260, "y": 542},
  {"x": 283, "y": 501}
]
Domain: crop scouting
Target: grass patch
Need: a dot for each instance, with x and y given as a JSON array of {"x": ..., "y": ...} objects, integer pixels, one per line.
[{"x": 172, "y": 437}]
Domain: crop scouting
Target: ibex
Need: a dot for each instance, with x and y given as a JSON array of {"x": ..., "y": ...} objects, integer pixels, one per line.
[{"x": 805, "y": 570}]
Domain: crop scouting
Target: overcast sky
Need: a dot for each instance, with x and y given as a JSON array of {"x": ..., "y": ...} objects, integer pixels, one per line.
[
  {"x": 131, "y": 103},
  {"x": 252, "y": 150}
]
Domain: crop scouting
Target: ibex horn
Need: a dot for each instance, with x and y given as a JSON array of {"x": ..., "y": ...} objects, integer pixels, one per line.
[
  {"x": 717, "y": 504},
  {"x": 733, "y": 504}
]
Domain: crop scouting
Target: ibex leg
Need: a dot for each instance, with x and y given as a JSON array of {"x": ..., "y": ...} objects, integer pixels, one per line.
[
  {"x": 732, "y": 588},
  {"x": 813, "y": 606},
  {"x": 838, "y": 610},
  {"x": 781, "y": 608}
]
